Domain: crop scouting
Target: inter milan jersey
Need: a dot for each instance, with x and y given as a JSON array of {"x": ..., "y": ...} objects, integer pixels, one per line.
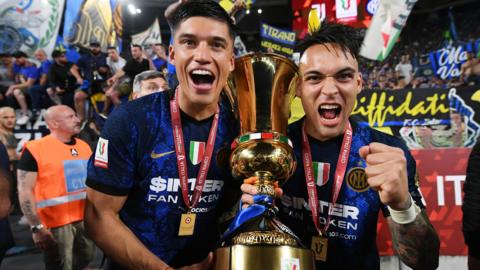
[
  {"x": 353, "y": 222},
  {"x": 135, "y": 157}
]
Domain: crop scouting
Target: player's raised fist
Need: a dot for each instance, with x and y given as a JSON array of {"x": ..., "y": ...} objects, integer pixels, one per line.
[{"x": 386, "y": 172}]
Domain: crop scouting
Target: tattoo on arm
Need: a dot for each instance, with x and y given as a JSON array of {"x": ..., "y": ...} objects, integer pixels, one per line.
[
  {"x": 27, "y": 197},
  {"x": 30, "y": 212},
  {"x": 21, "y": 176},
  {"x": 416, "y": 243}
]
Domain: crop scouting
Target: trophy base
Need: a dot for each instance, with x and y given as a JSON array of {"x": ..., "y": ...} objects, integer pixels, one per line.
[{"x": 242, "y": 257}]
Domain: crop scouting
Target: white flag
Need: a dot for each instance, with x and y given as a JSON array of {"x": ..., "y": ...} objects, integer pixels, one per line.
[
  {"x": 150, "y": 36},
  {"x": 29, "y": 25},
  {"x": 386, "y": 26}
]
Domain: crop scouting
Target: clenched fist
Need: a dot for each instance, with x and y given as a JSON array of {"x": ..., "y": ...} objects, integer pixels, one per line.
[{"x": 387, "y": 173}]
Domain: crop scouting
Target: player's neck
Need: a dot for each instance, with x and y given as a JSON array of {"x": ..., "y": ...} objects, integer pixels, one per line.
[
  {"x": 319, "y": 133},
  {"x": 197, "y": 111}
]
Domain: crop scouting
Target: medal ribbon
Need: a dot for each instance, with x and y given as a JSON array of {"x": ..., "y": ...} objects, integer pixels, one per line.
[
  {"x": 181, "y": 158},
  {"x": 339, "y": 176}
]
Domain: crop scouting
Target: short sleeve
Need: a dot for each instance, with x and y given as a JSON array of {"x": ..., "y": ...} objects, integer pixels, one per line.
[
  {"x": 127, "y": 68},
  {"x": 45, "y": 67},
  {"x": 111, "y": 168},
  {"x": 32, "y": 73},
  {"x": 81, "y": 62}
]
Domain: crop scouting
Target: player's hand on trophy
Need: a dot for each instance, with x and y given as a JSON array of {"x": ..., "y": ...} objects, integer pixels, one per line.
[
  {"x": 386, "y": 172},
  {"x": 249, "y": 190},
  {"x": 206, "y": 264}
]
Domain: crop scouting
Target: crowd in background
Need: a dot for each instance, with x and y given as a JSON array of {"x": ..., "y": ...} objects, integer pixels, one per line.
[
  {"x": 35, "y": 82},
  {"x": 426, "y": 33},
  {"x": 101, "y": 80}
]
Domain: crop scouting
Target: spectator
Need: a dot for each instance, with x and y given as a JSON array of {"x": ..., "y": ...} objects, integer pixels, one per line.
[
  {"x": 26, "y": 75},
  {"x": 39, "y": 91},
  {"x": 148, "y": 82},
  {"x": 94, "y": 69},
  {"x": 6, "y": 238},
  {"x": 117, "y": 92},
  {"x": 470, "y": 70},
  {"x": 114, "y": 60},
  {"x": 51, "y": 187},
  {"x": 404, "y": 71},
  {"x": 134, "y": 66},
  {"x": 7, "y": 124},
  {"x": 160, "y": 58},
  {"x": 6, "y": 72},
  {"x": 62, "y": 82}
]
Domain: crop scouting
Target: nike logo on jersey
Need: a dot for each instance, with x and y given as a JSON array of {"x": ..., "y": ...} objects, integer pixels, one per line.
[{"x": 155, "y": 155}]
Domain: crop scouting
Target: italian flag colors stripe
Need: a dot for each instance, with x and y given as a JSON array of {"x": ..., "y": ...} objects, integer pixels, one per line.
[
  {"x": 197, "y": 150},
  {"x": 262, "y": 136},
  {"x": 321, "y": 172}
]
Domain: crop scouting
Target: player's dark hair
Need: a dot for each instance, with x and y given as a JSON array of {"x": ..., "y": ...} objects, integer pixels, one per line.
[
  {"x": 348, "y": 38},
  {"x": 202, "y": 8}
]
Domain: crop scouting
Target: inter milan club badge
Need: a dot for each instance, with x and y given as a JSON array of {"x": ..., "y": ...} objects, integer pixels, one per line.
[
  {"x": 74, "y": 152},
  {"x": 357, "y": 179}
]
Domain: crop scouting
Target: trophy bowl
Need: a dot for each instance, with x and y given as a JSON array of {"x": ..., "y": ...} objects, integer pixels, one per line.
[{"x": 263, "y": 85}]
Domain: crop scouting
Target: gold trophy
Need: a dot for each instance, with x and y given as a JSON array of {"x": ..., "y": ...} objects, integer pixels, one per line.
[{"x": 263, "y": 85}]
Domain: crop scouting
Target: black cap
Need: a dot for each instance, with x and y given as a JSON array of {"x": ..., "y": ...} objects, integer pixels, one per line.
[
  {"x": 19, "y": 54},
  {"x": 57, "y": 53},
  {"x": 94, "y": 44}
]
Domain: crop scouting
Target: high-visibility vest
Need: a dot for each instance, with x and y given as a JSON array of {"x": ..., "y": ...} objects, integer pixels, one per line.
[{"x": 60, "y": 186}]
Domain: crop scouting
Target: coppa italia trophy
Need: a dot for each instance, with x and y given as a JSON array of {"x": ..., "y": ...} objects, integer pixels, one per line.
[{"x": 263, "y": 85}]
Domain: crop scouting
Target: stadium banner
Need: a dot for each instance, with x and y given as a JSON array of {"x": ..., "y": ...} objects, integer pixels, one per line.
[
  {"x": 441, "y": 177},
  {"x": 150, "y": 36},
  {"x": 29, "y": 25},
  {"x": 278, "y": 40},
  {"x": 380, "y": 108},
  {"x": 423, "y": 118},
  {"x": 386, "y": 26},
  {"x": 447, "y": 62},
  {"x": 72, "y": 11},
  {"x": 94, "y": 23}
]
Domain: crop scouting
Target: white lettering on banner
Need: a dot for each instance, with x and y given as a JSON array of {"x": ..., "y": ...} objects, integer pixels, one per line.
[
  {"x": 25, "y": 137},
  {"x": 449, "y": 62},
  {"x": 420, "y": 122},
  {"x": 339, "y": 210},
  {"x": 457, "y": 188},
  {"x": 448, "y": 71},
  {"x": 159, "y": 184}
]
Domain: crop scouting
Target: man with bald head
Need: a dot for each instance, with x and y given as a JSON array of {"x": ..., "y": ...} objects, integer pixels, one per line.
[
  {"x": 7, "y": 124},
  {"x": 51, "y": 190}
]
